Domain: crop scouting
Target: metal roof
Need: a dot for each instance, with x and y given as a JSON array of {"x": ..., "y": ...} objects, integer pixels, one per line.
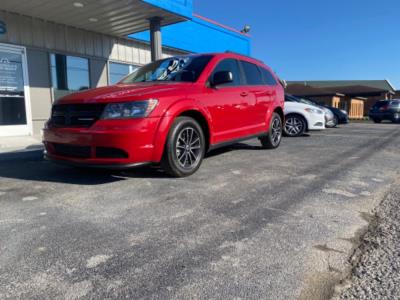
[
  {"x": 308, "y": 91},
  {"x": 376, "y": 84},
  {"x": 113, "y": 17}
]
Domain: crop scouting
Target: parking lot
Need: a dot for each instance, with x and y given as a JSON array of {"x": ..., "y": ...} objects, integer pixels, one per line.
[{"x": 250, "y": 224}]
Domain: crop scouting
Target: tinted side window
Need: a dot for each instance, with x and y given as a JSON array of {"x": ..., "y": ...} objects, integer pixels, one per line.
[
  {"x": 395, "y": 104},
  {"x": 252, "y": 73},
  {"x": 380, "y": 104},
  {"x": 268, "y": 77},
  {"x": 232, "y": 66}
]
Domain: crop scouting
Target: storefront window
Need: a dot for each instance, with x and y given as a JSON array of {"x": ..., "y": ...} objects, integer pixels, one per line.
[
  {"x": 119, "y": 71},
  {"x": 69, "y": 74},
  {"x": 12, "y": 95}
]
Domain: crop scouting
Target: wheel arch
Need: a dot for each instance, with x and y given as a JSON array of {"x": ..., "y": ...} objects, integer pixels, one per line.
[
  {"x": 202, "y": 120},
  {"x": 280, "y": 112},
  {"x": 182, "y": 108}
]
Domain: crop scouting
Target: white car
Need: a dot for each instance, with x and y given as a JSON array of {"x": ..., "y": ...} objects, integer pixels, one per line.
[
  {"x": 330, "y": 120},
  {"x": 301, "y": 117}
]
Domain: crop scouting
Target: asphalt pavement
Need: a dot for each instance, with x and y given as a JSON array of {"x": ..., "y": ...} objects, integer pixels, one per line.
[{"x": 250, "y": 224}]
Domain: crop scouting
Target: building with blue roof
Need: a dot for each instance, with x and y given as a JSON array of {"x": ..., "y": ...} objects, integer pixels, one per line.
[{"x": 49, "y": 49}]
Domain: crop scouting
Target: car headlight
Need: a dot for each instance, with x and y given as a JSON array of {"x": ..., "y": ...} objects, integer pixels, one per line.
[
  {"x": 343, "y": 111},
  {"x": 313, "y": 111},
  {"x": 129, "y": 110}
]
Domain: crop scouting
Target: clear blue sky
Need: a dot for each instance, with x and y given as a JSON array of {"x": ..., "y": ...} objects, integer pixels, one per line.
[{"x": 318, "y": 39}]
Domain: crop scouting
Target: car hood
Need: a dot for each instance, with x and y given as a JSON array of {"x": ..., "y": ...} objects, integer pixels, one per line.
[
  {"x": 300, "y": 106},
  {"x": 127, "y": 92}
]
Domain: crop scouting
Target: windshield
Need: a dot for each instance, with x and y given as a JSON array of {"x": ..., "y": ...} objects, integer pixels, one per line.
[
  {"x": 179, "y": 68},
  {"x": 306, "y": 101},
  {"x": 291, "y": 98}
]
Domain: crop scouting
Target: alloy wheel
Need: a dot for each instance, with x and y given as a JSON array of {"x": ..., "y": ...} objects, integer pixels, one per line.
[
  {"x": 276, "y": 133},
  {"x": 293, "y": 126},
  {"x": 188, "y": 148}
]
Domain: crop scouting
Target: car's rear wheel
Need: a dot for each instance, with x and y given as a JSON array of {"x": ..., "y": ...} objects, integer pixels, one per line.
[
  {"x": 273, "y": 139},
  {"x": 184, "y": 149},
  {"x": 295, "y": 125},
  {"x": 377, "y": 120}
]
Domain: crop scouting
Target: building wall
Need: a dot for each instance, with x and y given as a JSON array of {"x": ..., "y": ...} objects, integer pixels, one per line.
[
  {"x": 356, "y": 109},
  {"x": 40, "y": 87},
  {"x": 42, "y": 38},
  {"x": 336, "y": 101}
]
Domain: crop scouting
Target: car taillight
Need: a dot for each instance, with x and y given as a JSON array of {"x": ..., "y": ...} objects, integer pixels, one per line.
[{"x": 383, "y": 108}]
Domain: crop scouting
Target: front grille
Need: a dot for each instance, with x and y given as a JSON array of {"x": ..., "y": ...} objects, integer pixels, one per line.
[
  {"x": 107, "y": 152},
  {"x": 72, "y": 151},
  {"x": 76, "y": 115}
]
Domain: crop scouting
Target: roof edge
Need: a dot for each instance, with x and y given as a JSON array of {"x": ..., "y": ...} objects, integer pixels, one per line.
[{"x": 391, "y": 85}]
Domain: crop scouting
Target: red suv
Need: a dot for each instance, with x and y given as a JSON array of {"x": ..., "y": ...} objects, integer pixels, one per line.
[{"x": 171, "y": 111}]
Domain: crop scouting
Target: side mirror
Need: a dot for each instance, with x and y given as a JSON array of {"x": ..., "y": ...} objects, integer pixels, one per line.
[
  {"x": 283, "y": 83},
  {"x": 221, "y": 78}
]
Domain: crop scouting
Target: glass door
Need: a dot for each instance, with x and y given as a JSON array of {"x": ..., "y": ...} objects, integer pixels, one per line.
[{"x": 14, "y": 92}]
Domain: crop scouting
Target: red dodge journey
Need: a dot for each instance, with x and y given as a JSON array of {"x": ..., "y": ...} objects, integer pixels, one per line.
[{"x": 169, "y": 112}]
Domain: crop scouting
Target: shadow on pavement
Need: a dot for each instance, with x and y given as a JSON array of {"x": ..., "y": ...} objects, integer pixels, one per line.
[{"x": 30, "y": 165}]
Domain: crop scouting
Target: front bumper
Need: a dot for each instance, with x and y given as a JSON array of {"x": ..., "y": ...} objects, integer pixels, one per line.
[
  {"x": 390, "y": 115},
  {"x": 316, "y": 121},
  {"x": 106, "y": 144},
  {"x": 343, "y": 119}
]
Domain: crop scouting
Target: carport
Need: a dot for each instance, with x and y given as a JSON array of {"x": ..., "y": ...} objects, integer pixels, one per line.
[{"x": 111, "y": 17}]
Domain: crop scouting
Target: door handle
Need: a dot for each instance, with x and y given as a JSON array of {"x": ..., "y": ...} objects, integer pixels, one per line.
[{"x": 244, "y": 94}]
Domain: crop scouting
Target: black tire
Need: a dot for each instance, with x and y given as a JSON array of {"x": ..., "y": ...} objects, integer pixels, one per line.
[
  {"x": 273, "y": 139},
  {"x": 185, "y": 148},
  {"x": 295, "y": 125},
  {"x": 396, "y": 118},
  {"x": 377, "y": 120}
]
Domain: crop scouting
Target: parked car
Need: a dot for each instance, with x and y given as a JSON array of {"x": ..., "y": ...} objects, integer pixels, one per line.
[
  {"x": 385, "y": 110},
  {"x": 340, "y": 115},
  {"x": 171, "y": 111},
  {"x": 329, "y": 116},
  {"x": 301, "y": 117}
]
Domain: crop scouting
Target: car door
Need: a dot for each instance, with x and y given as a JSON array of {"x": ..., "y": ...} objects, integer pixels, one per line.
[
  {"x": 259, "y": 98},
  {"x": 225, "y": 103},
  {"x": 270, "y": 86}
]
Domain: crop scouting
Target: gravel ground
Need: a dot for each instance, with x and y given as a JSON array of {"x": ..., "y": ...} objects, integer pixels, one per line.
[{"x": 376, "y": 273}]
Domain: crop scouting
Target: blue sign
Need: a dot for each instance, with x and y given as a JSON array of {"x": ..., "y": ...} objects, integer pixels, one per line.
[{"x": 3, "y": 28}]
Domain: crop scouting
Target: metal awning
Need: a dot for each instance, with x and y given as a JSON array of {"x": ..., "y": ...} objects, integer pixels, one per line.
[{"x": 113, "y": 17}]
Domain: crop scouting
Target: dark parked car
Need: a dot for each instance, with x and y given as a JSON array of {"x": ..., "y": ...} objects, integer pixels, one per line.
[
  {"x": 341, "y": 116},
  {"x": 385, "y": 110}
]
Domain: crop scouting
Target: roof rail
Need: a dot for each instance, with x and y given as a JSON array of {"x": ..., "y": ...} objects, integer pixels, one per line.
[{"x": 248, "y": 56}]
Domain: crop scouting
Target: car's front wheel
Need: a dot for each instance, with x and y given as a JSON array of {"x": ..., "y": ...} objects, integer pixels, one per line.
[
  {"x": 185, "y": 148},
  {"x": 273, "y": 139},
  {"x": 295, "y": 125},
  {"x": 335, "y": 121}
]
